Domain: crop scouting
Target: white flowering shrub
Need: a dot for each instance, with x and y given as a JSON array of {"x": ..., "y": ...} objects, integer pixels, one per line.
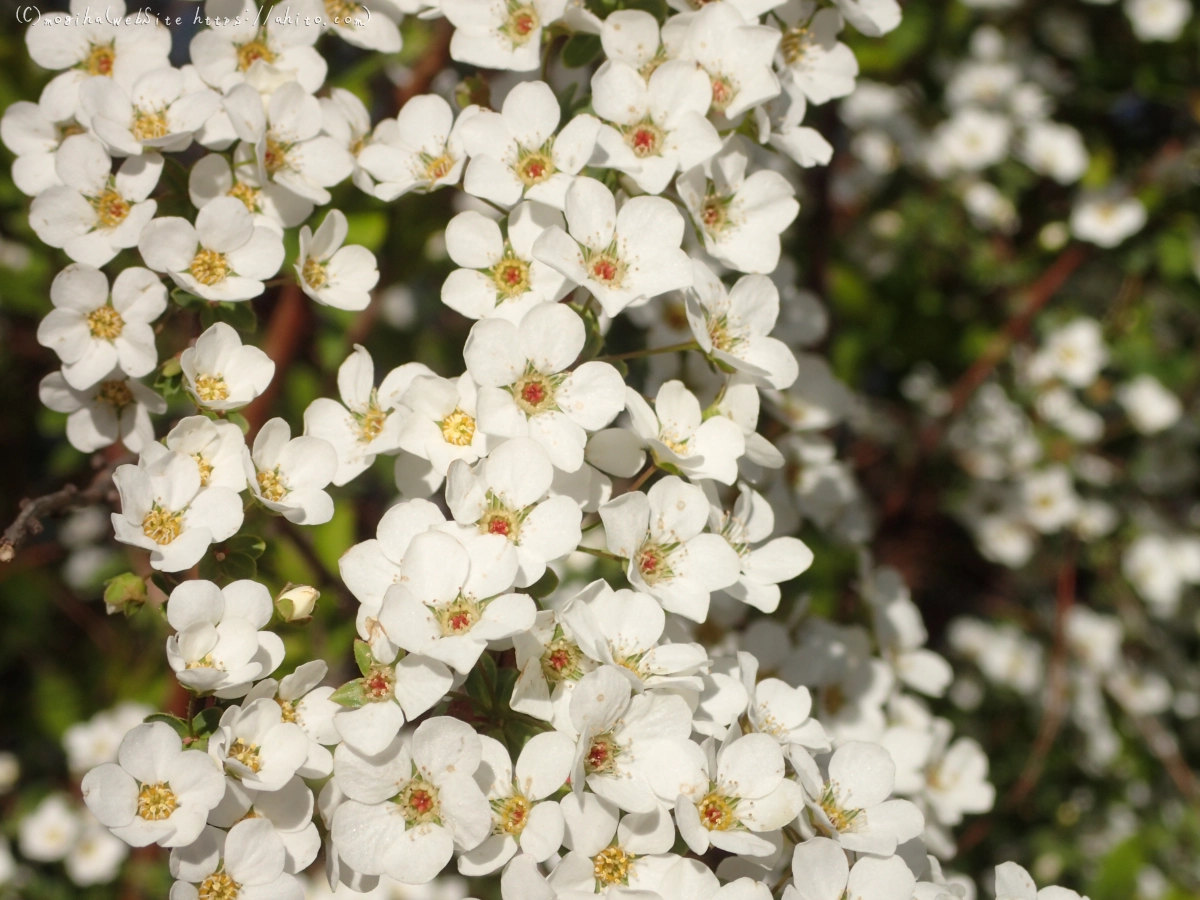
[{"x": 492, "y": 511}]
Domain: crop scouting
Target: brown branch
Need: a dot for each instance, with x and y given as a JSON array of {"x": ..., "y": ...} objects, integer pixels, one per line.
[
  {"x": 431, "y": 62},
  {"x": 1164, "y": 746},
  {"x": 289, "y": 324},
  {"x": 33, "y": 509}
]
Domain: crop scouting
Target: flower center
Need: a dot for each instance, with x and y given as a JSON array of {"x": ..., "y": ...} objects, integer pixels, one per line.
[
  {"x": 723, "y": 92},
  {"x": 250, "y": 52},
  {"x": 535, "y": 166},
  {"x": 795, "y": 44},
  {"x": 101, "y": 59},
  {"x": 370, "y": 423},
  {"x": 246, "y": 754},
  {"x": 314, "y": 273},
  {"x": 498, "y": 519},
  {"x": 287, "y": 709},
  {"x": 111, "y": 208},
  {"x": 219, "y": 886},
  {"x": 437, "y": 167},
  {"x": 156, "y": 802},
  {"x": 380, "y": 683},
  {"x": 716, "y": 812},
  {"x": 560, "y": 661},
  {"x": 521, "y": 23},
  {"x": 511, "y": 276},
  {"x": 721, "y": 334},
  {"x": 458, "y": 428},
  {"x": 161, "y": 525},
  {"x": 247, "y": 194},
  {"x": 115, "y": 393},
  {"x": 211, "y": 387},
  {"x": 611, "y": 866},
  {"x": 272, "y": 485},
  {"x": 678, "y": 445},
  {"x": 714, "y": 214},
  {"x": 534, "y": 393},
  {"x": 602, "y": 755},
  {"x": 645, "y": 139},
  {"x": 419, "y": 802},
  {"x": 205, "y": 467},
  {"x": 208, "y": 267},
  {"x": 651, "y": 561},
  {"x": 457, "y": 616},
  {"x": 105, "y": 323},
  {"x": 606, "y": 268},
  {"x": 275, "y": 155},
  {"x": 511, "y": 815},
  {"x": 341, "y": 11},
  {"x": 841, "y": 819},
  {"x": 150, "y": 125}
]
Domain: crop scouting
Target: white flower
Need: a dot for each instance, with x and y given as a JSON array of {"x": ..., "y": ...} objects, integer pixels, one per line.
[
  {"x": 550, "y": 663},
  {"x": 451, "y": 601},
  {"x": 93, "y": 214},
  {"x": 115, "y": 409},
  {"x": 272, "y": 204},
  {"x": 288, "y": 811},
  {"x": 288, "y": 144},
  {"x": 80, "y": 51},
  {"x": 852, "y": 804},
  {"x": 1158, "y": 20},
  {"x": 902, "y": 636},
  {"x": 609, "y": 858},
  {"x": 93, "y": 333},
  {"x": 733, "y": 325},
  {"x": 420, "y": 150},
  {"x": 736, "y": 55},
  {"x": 216, "y": 447},
  {"x": 157, "y": 792},
  {"x": 739, "y": 216},
  {"x": 49, "y": 832},
  {"x": 218, "y": 646},
  {"x": 96, "y": 857},
  {"x": 507, "y": 496},
  {"x": 815, "y": 62},
  {"x": 658, "y": 125},
  {"x": 624, "y": 629},
  {"x": 289, "y": 475},
  {"x": 659, "y": 532},
  {"x": 525, "y": 390},
  {"x": 247, "y": 863},
  {"x": 334, "y": 275},
  {"x": 1159, "y": 566},
  {"x": 410, "y": 808},
  {"x": 367, "y": 421},
  {"x": 1074, "y": 353},
  {"x": 221, "y": 373},
  {"x": 621, "y": 257},
  {"x": 166, "y": 510},
  {"x": 34, "y": 138},
  {"x": 156, "y": 113},
  {"x": 309, "y": 706},
  {"x": 515, "y": 153},
  {"x": 743, "y": 791},
  {"x": 680, "y": 438},
  {"x": 390, "y": 691},
  {"x": 1151, "y": 408},
  {"x": 522, "y": 818},
  {"x": 500, "y": 34},
  {"x": 253, "y": 46},
  {"x": 779, "y": 124},
  {"x": 369, "y": 25},
  {"x": 443, "y": 426},
  {"x": 255, "y": 745},
  {"x": 872, "y": 17},
  {"x": 223, "y": 256},
  {"x": 347, "y": 121},
  {"x": 633, "y": 749},
  {"x": 763, "y": 568},
  {"x": 1014, "y": 883},
  {"x": 973, "y": 139},
  {"x": 1055, "y": 150},
  {"x": 822, "y": 872},
  {"x": 91, "y": 743},
  {"x": 1049, "y": 501},
  {"x": 1103, "y": 219},
  {"x": 956, "y": 777},
  {"x": 499, "y": 276},
  {"x": 784, "y": 712}
]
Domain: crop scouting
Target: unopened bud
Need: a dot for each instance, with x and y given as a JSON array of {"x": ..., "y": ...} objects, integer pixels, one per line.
[
  {"x": 297, "y": 602},
  {"x": 126, "y": 592}
]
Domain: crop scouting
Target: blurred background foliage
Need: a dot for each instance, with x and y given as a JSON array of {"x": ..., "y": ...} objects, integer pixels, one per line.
[{"x": 907, "y": 278}]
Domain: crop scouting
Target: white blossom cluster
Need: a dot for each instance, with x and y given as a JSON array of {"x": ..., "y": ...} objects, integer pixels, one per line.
[{"x": 801, "y": 752}]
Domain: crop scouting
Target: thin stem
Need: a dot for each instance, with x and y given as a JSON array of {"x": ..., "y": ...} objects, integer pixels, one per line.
[
  {"x": 602, "y": 554},
  {"x": 641, "y": 479},
  {"x": 651, "y": 351},
  {"x": 591, "y": 527}
]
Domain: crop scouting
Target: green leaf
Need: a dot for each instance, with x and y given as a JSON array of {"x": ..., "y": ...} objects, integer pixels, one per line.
[
  {"x": 351, "y": 695},
  {"x": 364, "y": 657},
  {"x": 580, "y": 50},
  {"x": 544, "y": 586},
  {"x": 239, "y": 315},
  {"x": 249, "y": 544},
  {"x": 481, "y": 684},
  {"x": 206, "y": 721},
  {"x": 237, "y": 566},
  {"x": 239, "y": 420},
  {"x": 180, "y": 726},
  {"x": 124, "y": 589}
]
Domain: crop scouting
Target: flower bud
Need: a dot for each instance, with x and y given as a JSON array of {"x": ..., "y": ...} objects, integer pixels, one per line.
[
  {"x": 296, "y": 602},
  {"x": 125, "y": 592}
]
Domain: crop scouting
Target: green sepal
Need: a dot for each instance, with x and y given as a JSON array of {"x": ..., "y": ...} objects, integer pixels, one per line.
[
  {"x": 180, "y": 726},
  {"x": 544, "y": 586},
  {"x": 363, "y": 657},
  {"x": 580, "y": 50},
  {"x": 351, "y": 695},
  {"x": 206, "y": 721}
]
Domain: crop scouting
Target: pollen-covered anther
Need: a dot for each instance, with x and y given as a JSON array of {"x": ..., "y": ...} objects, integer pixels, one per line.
[
  {"x": 156, "y": 802},
  {"x": 208, "y": 266},
  {"x": 458, "y": 428},
  {"x": 272, "y": 485},
  {"x": 105, "y": 323},
  {"x": 161, "y": 525},
  {"x": 418, "y": 802},
  {"x": 100, "y": 60},
  {"x": 611, "y": 866},
  {"x": 148, "y": 126},
  {"x": 111, "y": 208},
  {"x": 512, "y": 814},
  {"x": 246, "y": 754},
  {"x": 219, "y": 886},
  {"x": 211, "y": 387},
  {"x": 716, "y": 812}
]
